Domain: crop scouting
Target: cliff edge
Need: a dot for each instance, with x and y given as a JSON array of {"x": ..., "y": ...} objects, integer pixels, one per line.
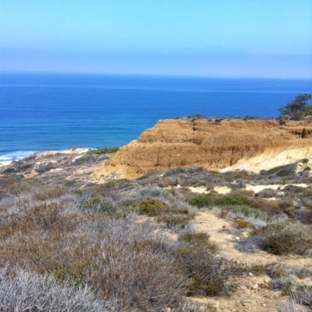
[{"x": 214, "y": 144}]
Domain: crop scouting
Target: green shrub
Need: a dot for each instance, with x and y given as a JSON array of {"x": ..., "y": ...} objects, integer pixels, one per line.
[
  {"x": 173, "y": 221},
  {"x": 98, "y": 204},
  {"x": 150, "y": 207},
  {"x": 202, "y": 201},
  {"x": 103, "y": 150},
  {"x": 241, "y": 223},
  {"x": 285, "y": 172},
  {"x": 233, "y": 201},
  {"x": 208, "y": 201}
]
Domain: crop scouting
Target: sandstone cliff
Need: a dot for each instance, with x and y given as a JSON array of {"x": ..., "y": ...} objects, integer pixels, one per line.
[{"x": 251, "y": 144}]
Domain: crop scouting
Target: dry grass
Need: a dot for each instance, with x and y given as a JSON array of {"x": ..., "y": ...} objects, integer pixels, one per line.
[
  {"x": 87, "y": 242},
  {"x": 291, "y": 306},
  {"x": 33, "y": 292},
  {"x": 116, "y": 259},
  {"x": 280, "y": 239},
  {"x": 70, "y": 239},
  {"x": 209, "y": 273}
]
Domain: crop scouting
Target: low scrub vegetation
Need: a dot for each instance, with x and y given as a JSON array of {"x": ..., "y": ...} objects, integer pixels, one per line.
[
  {"x": 210, "y": 200},
  {"x": 115, "y": 259},
  {"x": 150, "y": 207},
  {"x": 173, "y": 221},
  {"x": 130, "y": 245},
  {"x": 280, "y": 239},
  {"x": 199, "y": 260},
  {"x": 69, "y": 243},
  {"x": 26, "y": 291},
  {"x": 103, "y": 150}
]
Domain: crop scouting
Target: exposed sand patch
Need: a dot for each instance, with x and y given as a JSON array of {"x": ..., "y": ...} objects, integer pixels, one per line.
[
  {"x": 207, "y": 222},
  {"x": 271, "y": 158},
  {"x": 203, "y": 189},
  {"x": 68, "y": 151},
  {"x": 258, "y": 188},
  {"x": 222, "y": 189},
  {"x": 198, "y": 189},
  {"x": 249, "y": 296},
  {"x": 194, "y": 189},
  {"x": 5, "y": 163}
]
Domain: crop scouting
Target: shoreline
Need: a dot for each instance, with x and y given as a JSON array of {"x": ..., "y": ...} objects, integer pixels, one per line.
[{"x": 25, "y": 154}]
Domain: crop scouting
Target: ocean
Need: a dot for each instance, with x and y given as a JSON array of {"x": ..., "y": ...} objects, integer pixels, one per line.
[{"x": 40, "y": 112}]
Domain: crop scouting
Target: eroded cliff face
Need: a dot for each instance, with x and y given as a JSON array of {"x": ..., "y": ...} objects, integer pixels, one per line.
[{"x": 211, "y": 144}]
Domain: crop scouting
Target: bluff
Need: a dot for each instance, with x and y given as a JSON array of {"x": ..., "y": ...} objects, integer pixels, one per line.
[{"x": 214, "y": 144}]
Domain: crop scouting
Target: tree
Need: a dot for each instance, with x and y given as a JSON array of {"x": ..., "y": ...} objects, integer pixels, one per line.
[{"x": 298, "y": 108}]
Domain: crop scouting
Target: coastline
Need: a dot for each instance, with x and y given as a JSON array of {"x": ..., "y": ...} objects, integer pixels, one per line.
[
  {"x": 5, "y": 163},
  {"x": 74, "y": 164},
  {"x": 8, "y": 158},
  {"x": 16, "y": 155},
  {"x": 108, "y": 111}
]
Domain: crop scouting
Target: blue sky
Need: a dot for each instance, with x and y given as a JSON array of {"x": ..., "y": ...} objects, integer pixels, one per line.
[{"x": 213, "y": 38}]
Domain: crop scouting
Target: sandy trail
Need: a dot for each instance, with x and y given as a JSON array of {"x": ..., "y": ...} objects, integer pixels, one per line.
[
  {"x": 207, "y": 222},
  {"x": 249, "y": 296}
]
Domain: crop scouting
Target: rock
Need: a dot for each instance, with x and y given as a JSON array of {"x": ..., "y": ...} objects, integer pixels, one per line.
[
  {"x": 304, "y": 167},
  {"x": 253, "y": 145},
  {"x": 244, "y": 302}
]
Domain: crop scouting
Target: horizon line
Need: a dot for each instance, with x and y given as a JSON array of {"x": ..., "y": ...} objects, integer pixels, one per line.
[{"x": 147, "y": 75}]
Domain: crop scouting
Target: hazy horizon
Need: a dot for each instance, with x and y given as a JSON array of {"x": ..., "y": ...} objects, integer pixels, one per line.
[
  {"x": 173, "y": 76},
  {"x": 224, "y": 39}
]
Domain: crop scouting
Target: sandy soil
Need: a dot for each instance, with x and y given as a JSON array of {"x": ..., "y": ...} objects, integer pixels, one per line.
[
  {"x": 250, "y": 296},
  {"x": 271, "y": 158},
  {"x": 249, "y": 187},
  {"x": 259, "y": 188},
  {"x": 203, "y": 189}
]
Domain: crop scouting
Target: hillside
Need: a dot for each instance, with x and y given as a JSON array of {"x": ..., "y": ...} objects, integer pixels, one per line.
[
  {"x": 214, "y": 144},
  {"x": 180, "y": 240}
]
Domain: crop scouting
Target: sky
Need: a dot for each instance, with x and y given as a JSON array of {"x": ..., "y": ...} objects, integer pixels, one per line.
[{"x": 210, "y": 38}]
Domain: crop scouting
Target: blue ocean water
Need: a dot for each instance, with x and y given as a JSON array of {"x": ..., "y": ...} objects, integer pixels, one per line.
[{"x": 40, "y": 112}]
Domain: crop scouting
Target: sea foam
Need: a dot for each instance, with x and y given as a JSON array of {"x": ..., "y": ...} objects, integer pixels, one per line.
[{"x": 8, "y": 157}]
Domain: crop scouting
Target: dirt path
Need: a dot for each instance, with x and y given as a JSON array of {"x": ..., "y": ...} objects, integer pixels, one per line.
[
  {"x": 250, "y": 295},
  {"x": 206, "y": 221}
]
